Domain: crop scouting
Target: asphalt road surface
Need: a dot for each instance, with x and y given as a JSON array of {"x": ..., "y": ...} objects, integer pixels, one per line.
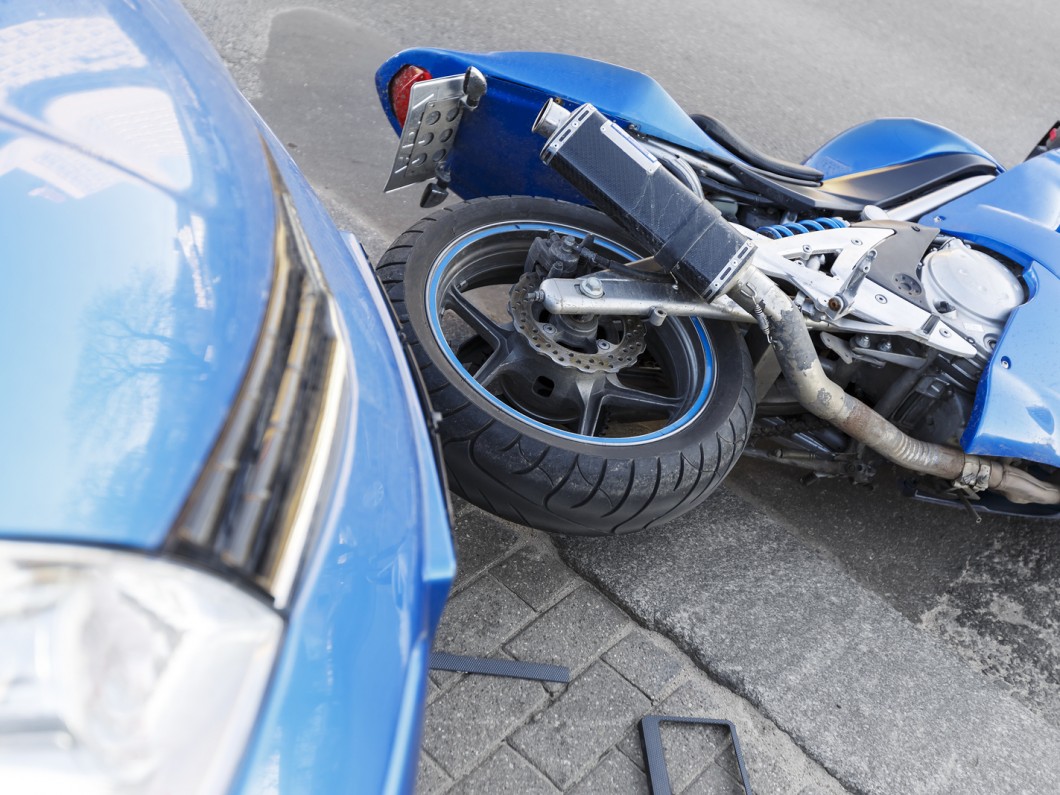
[{"x": 788, "y": 75}]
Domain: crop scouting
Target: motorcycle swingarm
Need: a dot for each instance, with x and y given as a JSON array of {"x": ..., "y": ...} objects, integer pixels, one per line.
[
  {"x": 622, "y": 296},
  {"x": 881, "y": 311}
]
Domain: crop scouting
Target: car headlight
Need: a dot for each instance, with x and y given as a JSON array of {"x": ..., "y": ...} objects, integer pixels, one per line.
[{"x": 120, "y": 672}]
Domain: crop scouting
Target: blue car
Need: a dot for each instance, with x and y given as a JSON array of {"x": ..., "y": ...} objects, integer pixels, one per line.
[{"x": 224, "y": 543}]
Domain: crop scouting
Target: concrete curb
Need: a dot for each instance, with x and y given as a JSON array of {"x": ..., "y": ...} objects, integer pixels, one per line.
[{"x": 881, "y": 704}]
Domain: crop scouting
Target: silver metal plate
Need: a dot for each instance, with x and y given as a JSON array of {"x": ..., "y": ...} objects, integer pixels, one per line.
[{"x": 435, "y": 109}]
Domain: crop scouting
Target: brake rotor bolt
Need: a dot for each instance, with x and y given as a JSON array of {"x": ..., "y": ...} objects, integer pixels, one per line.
[
  {"x": 603, "y": 345},
  {"x": 549, "y": 329},
  {"x": 591, "y": 287},
  {"x": 882, "y": 299}
]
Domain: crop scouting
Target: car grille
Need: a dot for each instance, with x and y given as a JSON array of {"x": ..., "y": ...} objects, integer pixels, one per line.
[{"x": 255, "y": 503}]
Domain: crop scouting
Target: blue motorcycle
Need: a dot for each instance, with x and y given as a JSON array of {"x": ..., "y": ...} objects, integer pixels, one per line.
[{"x": 631, "y": 297}]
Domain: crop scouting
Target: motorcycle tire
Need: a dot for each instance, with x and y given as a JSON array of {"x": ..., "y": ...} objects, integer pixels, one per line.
[{"x": 647, "y": 443}]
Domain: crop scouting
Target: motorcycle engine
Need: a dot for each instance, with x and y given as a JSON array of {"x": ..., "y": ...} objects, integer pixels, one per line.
[
  {"x": 924, "y": 388},
  {"x": 974, "y": 293}
]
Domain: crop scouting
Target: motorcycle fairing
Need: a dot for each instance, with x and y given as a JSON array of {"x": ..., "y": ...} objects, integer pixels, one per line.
[
  {"x": 1016, "y": 215},
  {"x": 889, "y": 142},
  {"x": 1017, "y": 405}
]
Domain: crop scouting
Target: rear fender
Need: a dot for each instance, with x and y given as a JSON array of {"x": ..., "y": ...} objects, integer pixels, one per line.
[{"x": 496, "y": 153}]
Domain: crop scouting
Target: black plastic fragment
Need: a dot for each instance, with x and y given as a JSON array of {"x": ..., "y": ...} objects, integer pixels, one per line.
[
  {"x": 651, "y": 736},
  {"x": 488, "y": 666}
]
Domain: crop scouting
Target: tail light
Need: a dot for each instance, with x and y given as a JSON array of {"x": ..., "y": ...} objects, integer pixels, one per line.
[{"x": 401, "y": 86}]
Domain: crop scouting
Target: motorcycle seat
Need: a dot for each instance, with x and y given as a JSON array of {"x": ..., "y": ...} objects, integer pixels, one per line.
[
  {"x": 883, "y": 187},
  {"x": 749, "y": 154}
]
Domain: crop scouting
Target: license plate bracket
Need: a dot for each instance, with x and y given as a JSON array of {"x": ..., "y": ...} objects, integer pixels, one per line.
[{"x": 435, "y": 110}]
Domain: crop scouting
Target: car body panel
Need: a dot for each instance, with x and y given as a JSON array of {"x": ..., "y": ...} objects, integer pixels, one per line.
[
  {"x": 350, "y": 678},
  {"x": 344, "y": 706},
  {"x": 128, "y": 332},
  {"x": 351, "y": 675}
]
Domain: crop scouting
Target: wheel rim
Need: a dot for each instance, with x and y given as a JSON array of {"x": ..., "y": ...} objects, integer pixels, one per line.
[{"x": 667, "y": 387}]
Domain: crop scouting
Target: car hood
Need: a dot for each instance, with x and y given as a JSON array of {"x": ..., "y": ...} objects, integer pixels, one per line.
[{"x": 137, "y": 219}]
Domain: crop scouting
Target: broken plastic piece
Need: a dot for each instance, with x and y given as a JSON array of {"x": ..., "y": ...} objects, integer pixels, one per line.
[
  {"x": 514, "y": 669},
  {"x": 658, "y": 776}
]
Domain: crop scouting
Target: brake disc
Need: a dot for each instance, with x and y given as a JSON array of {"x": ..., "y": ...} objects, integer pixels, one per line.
[{"x": 609, "y": 357}]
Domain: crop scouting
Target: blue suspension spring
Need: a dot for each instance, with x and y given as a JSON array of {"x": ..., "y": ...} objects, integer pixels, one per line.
[{"x": 778, "y": 231}]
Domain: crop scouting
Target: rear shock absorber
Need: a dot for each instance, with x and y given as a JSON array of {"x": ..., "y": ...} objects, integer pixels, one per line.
[{"x": 778, "y": 231}]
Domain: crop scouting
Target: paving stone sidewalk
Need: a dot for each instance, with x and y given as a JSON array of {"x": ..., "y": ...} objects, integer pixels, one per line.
[{"x": 514, "y": 597}]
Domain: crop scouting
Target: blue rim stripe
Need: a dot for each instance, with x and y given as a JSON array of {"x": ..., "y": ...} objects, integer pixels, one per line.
[{"x": 435, "y": 320}]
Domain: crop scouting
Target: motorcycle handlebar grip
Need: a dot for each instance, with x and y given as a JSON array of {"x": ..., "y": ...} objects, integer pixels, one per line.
[{"x": 688, "y": 234}]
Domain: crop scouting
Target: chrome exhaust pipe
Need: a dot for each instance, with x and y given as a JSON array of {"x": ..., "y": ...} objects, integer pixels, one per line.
[{"x": 550, "y": 118}]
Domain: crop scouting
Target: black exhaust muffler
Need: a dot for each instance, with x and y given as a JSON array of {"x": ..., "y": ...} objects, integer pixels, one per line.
[{"x": 688, "y": 234}]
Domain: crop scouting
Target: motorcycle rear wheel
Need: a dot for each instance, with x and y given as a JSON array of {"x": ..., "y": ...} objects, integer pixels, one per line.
[{"x": 526, "y": 434}]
